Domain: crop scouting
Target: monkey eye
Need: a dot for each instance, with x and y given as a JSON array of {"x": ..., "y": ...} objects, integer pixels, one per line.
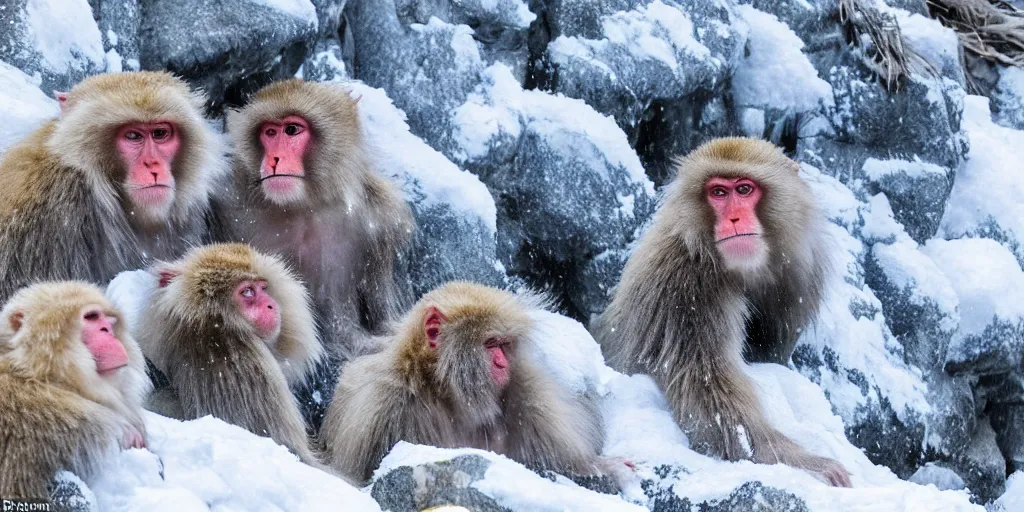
[
  {"x": 133, "y": 135},
  {"x": 92, "y": 315},
  {"x": 270, "y": 132},
  {"x": 292, "y": 129},
  {"x": 248, "y": 292},
  {"x": 744, "y": 189},
  {"x": 161, "y": 133},
  {"x": 719, "y": 192}
]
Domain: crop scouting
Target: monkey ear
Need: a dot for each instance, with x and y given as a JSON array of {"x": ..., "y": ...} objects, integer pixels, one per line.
[
  {"x": 62, "y": 99},
  {"x": 432, "y": 324},
  {"x": 166, "y": 276},
  {"x": 17, "y": 319}
]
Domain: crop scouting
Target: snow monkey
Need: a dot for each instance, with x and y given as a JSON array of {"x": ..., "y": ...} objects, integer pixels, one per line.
[
  {"x": 121, "y": 176},
  {"x": 308, "y": 192},
  {"x": 734, "y": 256},
  {"x": 458, "y": 374},
  {"x": 232, "y": 330},
  {"x": 72, "y": 384}
]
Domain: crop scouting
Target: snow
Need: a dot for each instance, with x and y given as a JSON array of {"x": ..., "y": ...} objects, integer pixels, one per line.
[
  {"x": 657, "y": 31},
  {"x": 908, "y": 268},
  {"x": 880, "y": 222},
  {"x": 501, "y": 107},
  {"x": 129, "y": 291},
  {"x": 776, "y": 74},
  {"x": 64, "y": 33},
  {"x": 927, "y": 37},
  {"x": 25, "y": 107},
  {"x": 876, "y": 169},
  {"x": 988, "y": 188},
  {"x": 1013, "y": 498},
  {"x": 302, "y": 9},
  {"x": 209, "y": 465},
  {"x": 988, "y": 281},
  {"x": 400, "y": 152},
  {"x": 940, "y": 477}
]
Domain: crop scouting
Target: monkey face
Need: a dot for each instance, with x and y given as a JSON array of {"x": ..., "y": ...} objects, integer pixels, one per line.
[
  {"x": 282, "y": 170},
  {"x": 147, "y": 150},
  {"x": 737, "y": 230},
  {"x": 258, "y": 307}
]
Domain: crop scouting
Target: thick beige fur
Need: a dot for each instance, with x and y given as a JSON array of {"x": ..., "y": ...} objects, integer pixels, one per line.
[
  {"x": 680, "y": 315},
  {"x": 445, "y": 396},
  {"x": 56, "y": 412},
  {"x": 216, "y": 362}
]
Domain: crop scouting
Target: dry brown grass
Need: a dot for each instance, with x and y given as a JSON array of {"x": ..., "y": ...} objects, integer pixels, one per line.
[
  {"x": 878, "y": 37},
  {"x": 992, "y": 30}
]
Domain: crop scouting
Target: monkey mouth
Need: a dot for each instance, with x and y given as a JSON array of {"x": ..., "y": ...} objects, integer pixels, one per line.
[
  {"x": 732, "y": 237},
  {"x": 281, "y": 175}
]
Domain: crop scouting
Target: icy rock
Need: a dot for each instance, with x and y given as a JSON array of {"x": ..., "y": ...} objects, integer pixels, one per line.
[
  {"x": 328, "y": 15},
  {"x": 119, "y": 22},
  {"x": 455, "y": 213},
  {"x": 23, "y": 107},
  {"x": 655, "y": 56},
  {"x": 55, "y": 41},
  {"x": 568, "y": 186},
  {"x": 326, "y": 63},
  {"x": 217, "y": 45},
  {"x": 413, "y": 477},
  {"x": 986, "y": 197},
  {"x": 1007, "y": 100},
  {"x": 851, "y": 352},
  {"x": 1008, "y": 424},
  {"x": 752, "y": 496},
  {"x": 942, "y": 478},
  {"x": 916, "y": 190},
  {"x": 988, "y": 283},
  {"x": 70, "y": 494},
  {"x": 982, "y": 466}
]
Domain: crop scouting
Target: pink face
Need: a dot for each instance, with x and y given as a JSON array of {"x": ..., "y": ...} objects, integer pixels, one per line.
[
  {"x": 737, "y": 230},
  {"x": 258, "y": 307},
  {"x": 497, "y": 348},
  {"x": 148, "y": 151},
  {"x": 98, "y": 337},
  {"x": 284, "y": 144}
]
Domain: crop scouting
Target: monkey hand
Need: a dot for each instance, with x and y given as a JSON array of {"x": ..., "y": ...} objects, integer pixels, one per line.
[
  {"x": 829, "y": 470},
  {"x": 132, "y": 437}
]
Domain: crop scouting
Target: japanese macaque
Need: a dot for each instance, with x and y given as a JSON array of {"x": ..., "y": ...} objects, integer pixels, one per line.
[
  {"x": 735, "y": 257},
  {"x": 457, "y": 373},
  {"x": 306, "y": 190},
  {"x": 121, "y": 176},
  {"x": 72, "y": 384},
  {"x": 232, "y": 330}
]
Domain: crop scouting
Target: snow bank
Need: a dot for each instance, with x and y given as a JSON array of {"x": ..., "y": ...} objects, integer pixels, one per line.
[
  {"x": 25, "y": 107},
  {"x": 986, "y": 197},
  {"x": 776, "y": 74},
  {"x": 206, "y": 464},
  {"x": 301, "y": 9},
  {"x": 1013, "y": 499}
]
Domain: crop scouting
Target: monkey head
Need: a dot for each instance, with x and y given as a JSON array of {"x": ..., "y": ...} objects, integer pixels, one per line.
[
  {"x": 68, "y": 332},
  {"x": 225, "y": 281},
  {"x": 140, "y": 137},
  {"x": 472, "y": 335},
  {"x": 299, "y": 144},
  {"x": 741, "y": 200}
]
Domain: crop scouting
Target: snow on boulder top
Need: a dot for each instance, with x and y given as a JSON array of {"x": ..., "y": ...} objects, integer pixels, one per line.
[
  {"x": 988, "y": 188},
  {"x": 641, "y": 31},
  {"x": 399, "y": 151},
  {"x": 876, "y": 169},
  {"x": 776, "y": 74},
  {"x": 301, "y": 9},
  {"x": 25, "y": 107},
  {"x": 986, "y": 277},
  {"x": 501, "y": 105},
  {"x": 64, "y": 33}
]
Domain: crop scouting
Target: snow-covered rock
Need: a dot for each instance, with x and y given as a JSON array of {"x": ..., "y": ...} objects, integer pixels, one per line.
[{"x": 24, "y": 106}]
